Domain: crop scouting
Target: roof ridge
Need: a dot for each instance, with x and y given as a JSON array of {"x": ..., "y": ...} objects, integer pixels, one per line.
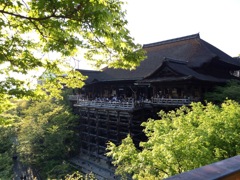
[{"x": 193, "y": 36}]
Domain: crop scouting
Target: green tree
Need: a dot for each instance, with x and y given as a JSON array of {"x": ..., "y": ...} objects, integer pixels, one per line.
[
  {"x": 230, "y": 91},
  {"x": 42, "y": 35},
  {"x": 182, "y": 140},
  {"x": 6, "y": 152},
  {"x": 47, "y": 138},
  {"x": 7, "y": 144}
]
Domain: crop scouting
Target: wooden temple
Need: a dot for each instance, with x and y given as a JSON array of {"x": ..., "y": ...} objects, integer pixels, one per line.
[{"x": 176, "y": 72}]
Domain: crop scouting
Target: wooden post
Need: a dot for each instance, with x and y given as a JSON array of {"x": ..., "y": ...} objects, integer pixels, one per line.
[
  {"x": 118, "y": 126},
  {"x": 88, "y": 131},
  {"x": 108, "y": 124},
  {"x": 97, "y": 132}
]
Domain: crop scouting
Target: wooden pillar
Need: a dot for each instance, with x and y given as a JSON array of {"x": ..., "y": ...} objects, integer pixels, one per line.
[
  {"x": 118, "y": 126},
  {"x": 154, "y": 91},
  {"x": 129, "y": 123},
  {"x": 97, "y": 132},
  {"x": 88, "y": 132},
  {"x": 80, "y": 130},
  {"x": 108, "y": 125}
]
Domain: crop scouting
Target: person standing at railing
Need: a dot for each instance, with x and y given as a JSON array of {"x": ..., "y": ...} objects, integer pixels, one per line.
[{"x": 114, "y": 98}]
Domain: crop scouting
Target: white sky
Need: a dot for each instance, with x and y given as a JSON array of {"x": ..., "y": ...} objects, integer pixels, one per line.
[{"x": 217, "y": 21}]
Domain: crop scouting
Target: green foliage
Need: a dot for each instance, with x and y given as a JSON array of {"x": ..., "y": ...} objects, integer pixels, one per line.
[
  {"x": 7, "y": 137},
  {"x": 230, "y": 91},
  {"x": 182, "y": 140},
  {"x": 5, "y": 104},
  {"x": 6, "y": 152},
  {"x": 44, "y": 35},
  {"x": 6, "y": 165},
  {"x": 59, "y": 171},
  {"x": 78, "y": 176},
  {"x": 126, "y": 160},
  {"x": 46, "y": 136}
]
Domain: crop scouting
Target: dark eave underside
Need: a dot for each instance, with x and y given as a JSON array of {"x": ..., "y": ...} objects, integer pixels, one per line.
[{"x": 183, "y": 78}]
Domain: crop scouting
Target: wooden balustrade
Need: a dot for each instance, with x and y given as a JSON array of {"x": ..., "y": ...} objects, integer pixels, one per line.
[
  {"x": 127, "y": 104},
  {"x": 106, "y": 104},
  {"x": 73, "y": 97},
  {"x": 169, "y": 101}
]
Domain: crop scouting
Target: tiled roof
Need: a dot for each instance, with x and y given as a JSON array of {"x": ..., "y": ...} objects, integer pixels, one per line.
[
  {"x": 91, "y": 74},
  {"x": 172, "y": 40},
  {"x": 191, "y": 49}
]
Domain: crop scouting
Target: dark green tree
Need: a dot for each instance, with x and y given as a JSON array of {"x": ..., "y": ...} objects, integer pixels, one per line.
[
  {"x": 7, "y": 144},
  {"x": 229, "y": 91},
  {"x": 47, "y": 137},
  {"x": 6, "y": 152}
]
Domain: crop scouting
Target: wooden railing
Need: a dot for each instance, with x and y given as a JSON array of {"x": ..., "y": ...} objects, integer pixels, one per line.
[
  {"x": 106, "y": 104},
  {"x": 169, "y": 101},
  {"x": 73, "y": 97},
  {"x": 129, "y": 103}
]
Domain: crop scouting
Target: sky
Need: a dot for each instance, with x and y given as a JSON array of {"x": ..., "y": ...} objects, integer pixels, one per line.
[{"x": 217, "y": 21}]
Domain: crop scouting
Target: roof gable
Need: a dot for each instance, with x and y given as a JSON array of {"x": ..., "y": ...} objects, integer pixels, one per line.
[
  {"x": 178, "y": 70},
  {"x": 165, "y": 70}
]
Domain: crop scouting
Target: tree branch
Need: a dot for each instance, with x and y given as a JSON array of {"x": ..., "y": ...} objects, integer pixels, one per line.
[
  {"x": 35, "y": 25},
  {"x": 53, "y": 15},
  {"x": 29, "y": 18}
]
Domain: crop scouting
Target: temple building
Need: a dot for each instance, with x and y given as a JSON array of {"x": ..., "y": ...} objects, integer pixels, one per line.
[
  {"x": 181, "y": 68},
  {"x": 176, "y": 72}
]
